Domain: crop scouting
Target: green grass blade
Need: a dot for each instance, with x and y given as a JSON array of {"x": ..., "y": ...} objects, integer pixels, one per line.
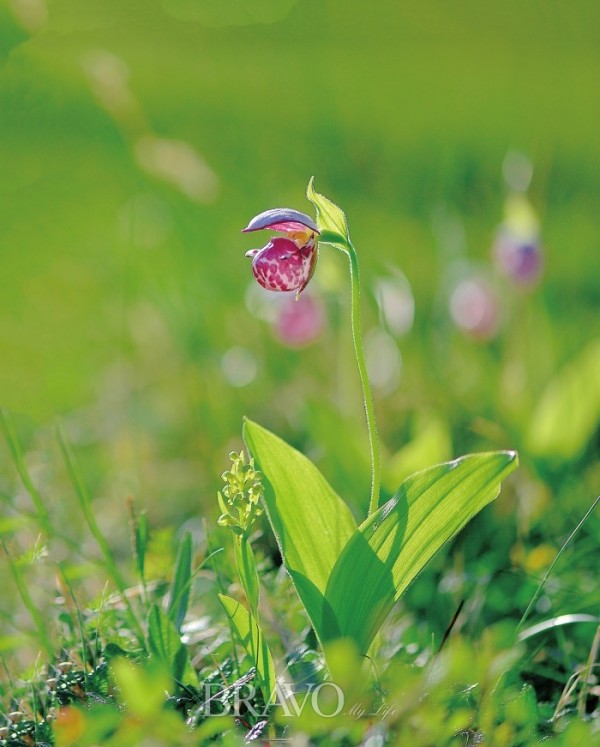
[
  {"x": 542, "y": 583},
  {"x": 252, "y": 640},
  {"x": 38, "y": 618},
  {"x": 138, "y": 524},
  {"x": 311, "y": 523},
  {"x": 165, "y": 644},
  {"x": 85, "y": 504},
  {"x": 180, "y": 587},
  {"x": 393, "y": 545},
  {"x": 10, "y": 434},
  {"x": 86, "y": 649}
]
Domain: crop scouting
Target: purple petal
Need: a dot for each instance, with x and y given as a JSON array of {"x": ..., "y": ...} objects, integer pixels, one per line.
[
  {"x": 519, "y": 259},
  {"x": 282, "y": 219}
]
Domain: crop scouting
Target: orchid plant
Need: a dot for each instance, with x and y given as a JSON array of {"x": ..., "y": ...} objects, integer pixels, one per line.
[{"x": 347, "y": 575}]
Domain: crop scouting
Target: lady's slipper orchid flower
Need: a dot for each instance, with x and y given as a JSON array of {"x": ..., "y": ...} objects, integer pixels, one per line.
[{"x": 288, "y": 262}]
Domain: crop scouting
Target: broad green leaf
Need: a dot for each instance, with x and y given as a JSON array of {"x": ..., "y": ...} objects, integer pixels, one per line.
[
  {"x": 393, "y": 545},
  {"x": 165, "y": 644},
  {"x": 569, "y": 410},
  {"x": 252, "y": 640},
  {"x": 310, "y": 521},
  {"x": 246, "y": 565},
  {"x": 180, "y": 587},
  {"x": 331, "y": 219}
]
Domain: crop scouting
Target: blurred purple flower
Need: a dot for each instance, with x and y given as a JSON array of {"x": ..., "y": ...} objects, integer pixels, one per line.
[
  {"x": 288, "y": 262},
  {"x": 518, "y": 258},
  {"x": 517, "y": 250}
]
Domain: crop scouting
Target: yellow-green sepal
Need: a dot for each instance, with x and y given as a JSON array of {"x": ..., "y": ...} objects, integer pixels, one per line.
[{"x": 331, "y": 219}]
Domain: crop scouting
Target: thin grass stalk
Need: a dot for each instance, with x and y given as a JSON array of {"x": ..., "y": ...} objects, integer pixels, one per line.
[
  {"x": 39, "y": 620},
  {"x": 542, "y": 583},
  {"x": 10, "y": 434},
  {"x": 88, "y": 514}
]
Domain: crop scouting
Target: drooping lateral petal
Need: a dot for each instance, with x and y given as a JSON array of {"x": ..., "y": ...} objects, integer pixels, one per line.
[{"x": 281, "y": 219}]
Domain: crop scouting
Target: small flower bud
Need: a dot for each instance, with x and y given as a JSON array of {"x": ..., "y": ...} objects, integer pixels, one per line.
[{"x": 239, "y": 497}]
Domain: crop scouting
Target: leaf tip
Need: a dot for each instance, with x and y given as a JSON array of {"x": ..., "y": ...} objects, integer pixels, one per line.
[
  {"x": 310, "y": 190},
  {"x": 249, "y": 429},
  {"x": 247, "y": 425}
]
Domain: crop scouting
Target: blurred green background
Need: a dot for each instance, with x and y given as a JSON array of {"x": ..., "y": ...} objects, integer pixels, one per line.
[{"x": 137, "y": 138}]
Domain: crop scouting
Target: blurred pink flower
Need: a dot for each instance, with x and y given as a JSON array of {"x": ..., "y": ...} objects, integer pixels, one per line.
[
  {"x": 475, "y": 309},
  {"x": 286, "y": 263},
  {"x": 300, "y": 321}
]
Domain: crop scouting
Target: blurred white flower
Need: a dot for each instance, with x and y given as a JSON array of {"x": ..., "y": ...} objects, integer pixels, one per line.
[
  {"x": 178, "y": 163},
  {"x": 32, "y": 14},
  {"x": 384, "y": 361},
  {"x": 396, "y": 303},
  {"x": 239, "y": 366},
  {"x": 109, "y": 78}
]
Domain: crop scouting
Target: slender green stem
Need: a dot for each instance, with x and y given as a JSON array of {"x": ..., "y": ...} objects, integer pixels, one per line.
[{"x": 364, "y": 378}]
